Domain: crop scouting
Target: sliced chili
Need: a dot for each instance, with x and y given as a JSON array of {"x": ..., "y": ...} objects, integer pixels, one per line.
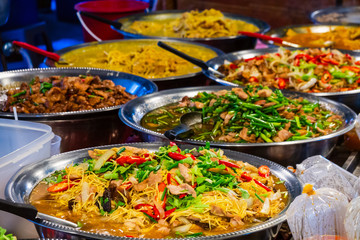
[
  {"x": 228, "y": 164},
  {"x": 60, "y": 187},
  {"x": 176, "y": 156},
  {"x": 264, "y": 171},
  {"x": 326, "y": 77}
]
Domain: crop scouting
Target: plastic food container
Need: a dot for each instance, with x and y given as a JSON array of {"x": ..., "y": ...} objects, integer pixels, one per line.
[{"x": 21, "y": 143}]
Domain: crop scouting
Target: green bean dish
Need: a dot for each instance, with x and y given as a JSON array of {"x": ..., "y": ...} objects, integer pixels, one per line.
[{"x": 253, "y": 114}]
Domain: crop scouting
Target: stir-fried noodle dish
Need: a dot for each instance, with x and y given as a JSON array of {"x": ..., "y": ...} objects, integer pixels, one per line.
[
  {"x": 128, "y": 191},
  {"x": 209, "y": 23},
  {"x": 309, "y": 70}
]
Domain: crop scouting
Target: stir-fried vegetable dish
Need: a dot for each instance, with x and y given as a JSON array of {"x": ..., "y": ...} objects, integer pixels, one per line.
[
  {"x": 309, "y": 70},
  {"x": 127, "y": 191},
  {"x": 65, "y": 94},
  {"x": 209, "y": 23},
  {"x": 142, "y": 58},
  {"x": 337, "y": 37},
  {"x": 253, "y": 114}
]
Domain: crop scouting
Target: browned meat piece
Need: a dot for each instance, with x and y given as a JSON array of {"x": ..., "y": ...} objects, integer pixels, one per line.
[
  {"x": 282, "y": 136},
  {"x": 184, "y": 171},
  {"x": 269, "y": 104},
  {"x": 228, "y": 118},
  {"x": 265, "y": 93},
  {"x": 287, "y": 115},
  {"x": 199, "y": 105},
  {"x": 218, "y": 211},
  {"x": 236, "y": 221},
  {"x": 152, "y": 180},
  {"x": 212, "y": 101},
  {"x": 243, "y": 135},
  {"x": 260, "y": 102},
  {"x": 240, "y": 92},
  {"x": 181, "y": 189}
]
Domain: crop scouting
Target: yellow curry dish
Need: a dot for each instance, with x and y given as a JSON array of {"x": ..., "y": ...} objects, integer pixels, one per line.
[
  {"x": 209, "y": 23},
  {"x": 172, "y": 192},
  {"x": 339, "y": 37},
  {"x": 142, "y": 58}
]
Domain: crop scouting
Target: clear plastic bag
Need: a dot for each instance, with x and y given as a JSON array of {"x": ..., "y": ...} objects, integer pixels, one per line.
[
  {"x": 315, "y": 214},
  {"x": 352, "y": 219},
  {"x": 321, "y": 172}
]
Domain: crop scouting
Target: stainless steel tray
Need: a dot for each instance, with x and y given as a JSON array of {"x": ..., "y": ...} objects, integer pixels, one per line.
[
  {"x": 343, "y": 15},
  {"x": 349, "y": 98},
  {"x": 284, "y": 153},
  {"x": 21, "y": 184}
]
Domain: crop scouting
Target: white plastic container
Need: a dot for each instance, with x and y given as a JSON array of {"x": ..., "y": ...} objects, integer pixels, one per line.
[{"x": 21, "y": 143}]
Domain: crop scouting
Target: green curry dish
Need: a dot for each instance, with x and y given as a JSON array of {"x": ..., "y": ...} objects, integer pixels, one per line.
[{"x": 252, "y": 114}]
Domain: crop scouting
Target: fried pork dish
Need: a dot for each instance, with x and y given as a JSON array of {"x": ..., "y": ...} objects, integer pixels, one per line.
[
  {"x": 64, "y": 94},
  {"x": 209, "y": 23},
  {"x": 144, "y": 59},
  {"x": 132, "y": 192},
  {"x": 347, "y": 38},
  {"x": 310, "y": 70},
  {"x": 249, "y": 115}
]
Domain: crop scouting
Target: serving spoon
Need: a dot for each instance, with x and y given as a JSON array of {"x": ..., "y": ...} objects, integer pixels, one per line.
[
  {"x": 193, "y": 60},
  {"x": 29, "y": 212},
  {"x": 184, "y": 129},
  {"x": 279, "y": 40}
]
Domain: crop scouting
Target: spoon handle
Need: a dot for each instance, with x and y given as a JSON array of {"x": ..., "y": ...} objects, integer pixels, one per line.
[
  {"x": 19, "y": 209},
  {"x": 115, "y": 24},
  {"x": 261, "y": 36},
  {"x": 176, "y": 131},
  {"x": 30, "y": 47},
  {"x": 195, "y": 61}
]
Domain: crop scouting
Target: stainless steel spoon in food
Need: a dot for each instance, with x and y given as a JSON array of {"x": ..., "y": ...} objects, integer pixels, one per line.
[{"x": 184, "y": 129}]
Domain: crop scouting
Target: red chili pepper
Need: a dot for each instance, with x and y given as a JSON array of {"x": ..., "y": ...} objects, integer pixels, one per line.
[
  {"x": 176, "y": 156},
  {"x": 264, "y": 171},
  {"x": 350, "y": 68},
  {"x": 182, "y": 195},
  {"x": 228, "y": 164},
  {"x": 174, "y": 144},
  {"x": 233, "y": 66},
  {"x": 281, "y": 83},
  {"x": 330, "y": 61},
  {"x": 122, "y": 160},
  {"x": 60, "y": 187},
  {"x": 304, "y": 56},
  {"x": 296, "y": 62},
  {"x": 253, "y": 79},
  {"x": 357, "y": 62},
  {"x": 168, "y": 212},
  {"x": 162, "y": 188},
  {"x": 348, "y": 56},
  {"x": 262, "y": 185},
  {"x": 190, "y": 155},
  {"x": 148, "y": 209},
  {"x": 127, "y": 185},
  {"x": 129, "y": 236},
  {"x": 326, "y": 77},
  {"x": 247, "y": 178},
  {"x": 169, "y": 178},
  {"x": 254, "y": 58}
]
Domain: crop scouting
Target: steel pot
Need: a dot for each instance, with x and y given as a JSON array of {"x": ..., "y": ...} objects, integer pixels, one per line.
[
  {"x": 22, "y": 183},
  {"x": 343, "y": 15},
  {"x": 284, "y": 153},
  {"x": 81, "y": 128},
  {"x": 349, "y": 98},
  {"x": 191, "y": 79},
  {"x": 226, "y": 44}
]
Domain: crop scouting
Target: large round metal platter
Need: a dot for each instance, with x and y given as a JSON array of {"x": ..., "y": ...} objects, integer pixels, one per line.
[
  {"x": 343, "y": 15},
  {"x": 23, "y": 182},
  {"x": 134, "y": 84},
  {"x": 349, "y": 98},
  {"x": 138, "y": 42},
  {"x": 285, "y": 153},
  {"x": 226, "y": 44},
  {"x": 80, "y": 129}
]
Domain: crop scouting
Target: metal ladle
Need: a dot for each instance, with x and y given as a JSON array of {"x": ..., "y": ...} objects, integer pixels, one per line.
[{"x": 184, "y": 129}]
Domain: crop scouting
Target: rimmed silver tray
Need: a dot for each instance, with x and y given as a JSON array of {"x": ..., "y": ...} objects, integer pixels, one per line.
[
  {"x": 349, "y": 98},
  {"x": 284, "y": 153},
  {"x": 343, "y": 15},
  {"x": 21, "y": 184},
  {"x": 226, "y": 44}
]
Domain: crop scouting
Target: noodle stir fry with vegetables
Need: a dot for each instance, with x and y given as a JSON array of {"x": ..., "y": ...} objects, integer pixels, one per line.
[
  {"x": 209, "y": 23},
  {"x": 253, "y": 114},
  {"x": 132, "y": 192},
  {"x": 310, "y": 70}
]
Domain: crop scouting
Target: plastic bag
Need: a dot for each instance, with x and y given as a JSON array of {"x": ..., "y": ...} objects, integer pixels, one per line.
[
  {"x": 352, "y": 219},
  {"x": 321, "y": 172},
  {"x": 315, "y": 214}
]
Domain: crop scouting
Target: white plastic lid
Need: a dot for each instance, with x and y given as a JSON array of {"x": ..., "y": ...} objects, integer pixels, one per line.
[{"x": 21, "y": 138}]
